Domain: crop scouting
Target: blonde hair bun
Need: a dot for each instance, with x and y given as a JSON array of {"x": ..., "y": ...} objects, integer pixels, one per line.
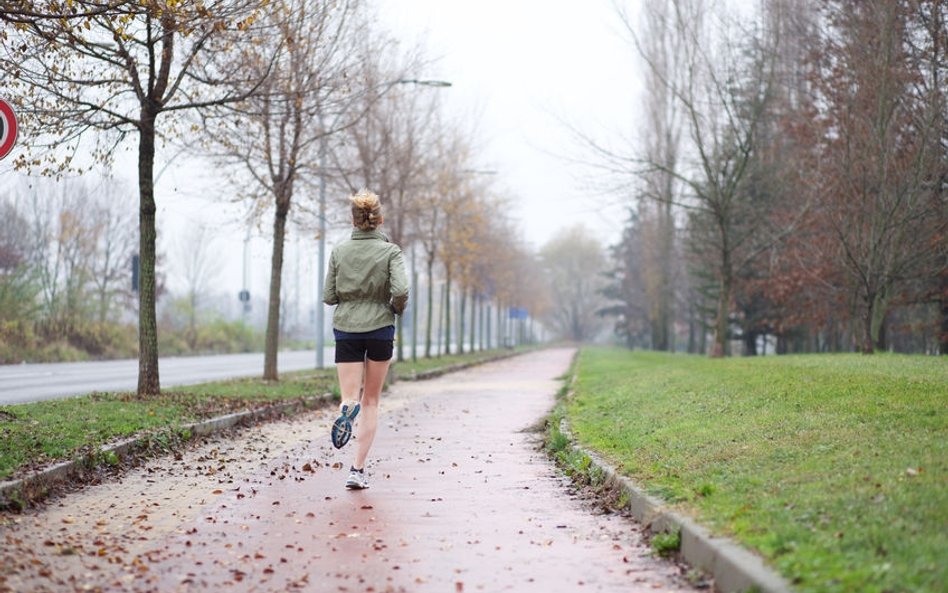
[
  {"x": 366, "y": 210},
  {"x": 365, "y": 200}
]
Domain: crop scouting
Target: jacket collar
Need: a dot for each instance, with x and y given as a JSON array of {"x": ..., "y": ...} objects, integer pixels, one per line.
[{"x": 358, "y": 234}]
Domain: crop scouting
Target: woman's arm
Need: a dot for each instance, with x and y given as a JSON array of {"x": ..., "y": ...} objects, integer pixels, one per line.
[
  {"x": 329, "y": 289},
  {"x": 399, "y": 282}
]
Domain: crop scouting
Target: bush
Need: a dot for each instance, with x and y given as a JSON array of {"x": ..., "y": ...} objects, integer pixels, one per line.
[
  {"x": 221, "y": 336},
  {"x": 59, "y": 351},
  {"x": 18, "y": 343},
  {"x": 50, "y": 341},
  {"x": 18, "y": 296},
  {"x": 105, "y": 340},
  {"x": 171, "y": 343}
]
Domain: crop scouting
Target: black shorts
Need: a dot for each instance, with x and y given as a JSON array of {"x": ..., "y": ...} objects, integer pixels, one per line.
[{"x": 359, "y": 349}]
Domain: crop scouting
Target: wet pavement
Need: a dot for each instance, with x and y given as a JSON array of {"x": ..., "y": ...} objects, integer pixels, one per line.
[{"x": 461, "y": 499}]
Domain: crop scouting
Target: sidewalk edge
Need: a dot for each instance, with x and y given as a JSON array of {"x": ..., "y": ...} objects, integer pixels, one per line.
[
  {"x": 734, "y": 568},
  {"x": 433, "y": 373},
  {"x": 22, "y": 491}
]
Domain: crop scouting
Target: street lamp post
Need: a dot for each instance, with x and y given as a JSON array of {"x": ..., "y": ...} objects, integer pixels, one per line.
[{"x": 321, "y": 267}]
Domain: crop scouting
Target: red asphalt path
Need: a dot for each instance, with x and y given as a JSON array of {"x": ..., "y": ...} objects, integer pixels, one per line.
[{"x": 461, "y": 499}]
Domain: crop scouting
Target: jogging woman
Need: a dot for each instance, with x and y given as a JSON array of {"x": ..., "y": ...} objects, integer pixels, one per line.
[{"x": 367, "y": 283}]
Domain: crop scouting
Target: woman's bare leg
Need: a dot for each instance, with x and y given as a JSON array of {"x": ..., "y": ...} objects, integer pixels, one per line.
[
  {"x": 350, "y": 379},
  {"x": 375, "y": 372}
]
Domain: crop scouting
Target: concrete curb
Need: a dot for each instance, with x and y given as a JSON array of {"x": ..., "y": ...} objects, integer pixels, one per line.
[
  {"x": 458, "y": 367},
  {"x": 734, "y": 568},
  {"x": 20, "y": 492}
]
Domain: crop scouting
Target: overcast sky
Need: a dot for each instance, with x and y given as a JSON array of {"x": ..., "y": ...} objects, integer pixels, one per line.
[{"x": 518, "y": 68}]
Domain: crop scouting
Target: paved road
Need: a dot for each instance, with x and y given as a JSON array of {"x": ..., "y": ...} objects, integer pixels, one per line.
[
  {"x": 21, "y": 383},
  {"x": 461, "y": 500}
]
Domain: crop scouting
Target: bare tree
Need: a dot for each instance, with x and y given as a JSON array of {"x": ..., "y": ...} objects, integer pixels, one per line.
[
  {"x": 18, "y": 288},
  {"x": 662, "y": 48},
  {"x": 882, "y": 143},
  {"x": 284, "y": 126},
  {"x": 199, "y": 272},
  {"x": 111, "y": 69},
  {"x": 436, "y": 185},
  {"x": 574, "y": 264},
  {"x": 388, "y": 148},
  {"x": 115, "y": 233},
  {"x": 724, "y": 98},
  {"x": 64, "y": 238}
]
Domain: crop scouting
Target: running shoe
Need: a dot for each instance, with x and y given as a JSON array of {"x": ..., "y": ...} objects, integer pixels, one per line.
[
  {"x": 357, "y": 479},
  {"x": 342, "y": 427}
]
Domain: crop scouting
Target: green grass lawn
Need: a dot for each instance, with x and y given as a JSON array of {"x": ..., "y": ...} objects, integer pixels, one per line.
[{"x": 834, "y": 467}]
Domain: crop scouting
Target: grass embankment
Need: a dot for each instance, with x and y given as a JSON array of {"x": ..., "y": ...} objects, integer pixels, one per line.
[
  {"x": 37, "y": 434},
  {"x": 834, "y": 467}
]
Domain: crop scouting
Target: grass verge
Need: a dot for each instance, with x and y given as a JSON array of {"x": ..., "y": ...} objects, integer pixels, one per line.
[
  {"x": 37, "y": 434},
  {"x": 833, "y": 467}
]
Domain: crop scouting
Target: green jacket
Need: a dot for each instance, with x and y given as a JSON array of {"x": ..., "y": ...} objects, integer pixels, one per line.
[{"x": 367, "y": 280}]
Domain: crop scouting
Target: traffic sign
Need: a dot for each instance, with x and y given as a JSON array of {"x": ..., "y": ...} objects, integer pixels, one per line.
[{"x": 8, "y": 128}]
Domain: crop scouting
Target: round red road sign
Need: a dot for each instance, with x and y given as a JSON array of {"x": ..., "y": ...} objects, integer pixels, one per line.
[{"x": 8, "y": 128}]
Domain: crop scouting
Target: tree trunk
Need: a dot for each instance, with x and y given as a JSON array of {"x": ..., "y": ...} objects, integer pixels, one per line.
[
  {"x": 272, "y": 343},
  {"x": 399, "y": 342},
  {"x": 501, "y": 330},
  {"x": 719, "y": 348},
  {"x": 148, "y": 380},
  {"x": 881, "y": 342},
  {"x": 943, "y": 338},
  {"x": 750, "y": 343},
  {"x": 477, "y": 322},
  {"x": 447, "y": 311},
  {"x": 867, "y": 342},
  {"x": 399, "y": 325},
  {"x": 665, "y": 341},
  {"x": 461, "y": 310},
  {"x": 692, "y": 328},
  {"x": 192, "y": 320},
  {"x": 440, "y": 322},
  {"x": 782, "y": 344},
  {"x": 487, "y": 325},
  {"x": 430, "y": 307},
  {"x": 877, "y": 315}
]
